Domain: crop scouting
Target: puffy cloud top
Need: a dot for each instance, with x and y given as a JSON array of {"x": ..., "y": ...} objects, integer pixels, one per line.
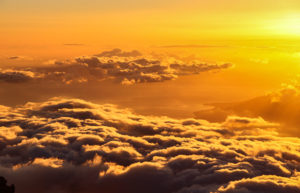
[{"x": 71, "y": 145}]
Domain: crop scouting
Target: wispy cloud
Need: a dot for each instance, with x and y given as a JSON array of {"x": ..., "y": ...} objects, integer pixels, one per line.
[
  {"x": 73, "y": 44},
  {"x": 194, "y": 46}
]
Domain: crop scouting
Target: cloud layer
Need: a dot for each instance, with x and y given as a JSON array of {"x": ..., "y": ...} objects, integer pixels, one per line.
[
  {"x": 123, "y": 67},
  {"x": 278, "y": 106},
  {"x": 74, "y": 146}
]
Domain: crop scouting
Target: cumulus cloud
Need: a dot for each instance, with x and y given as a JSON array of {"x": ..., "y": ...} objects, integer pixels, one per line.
[
  {"x": 278, "y": 106},
  {"x": 263, "y": 184},
  {"x": 126, "y": 68},
  {"x": 17, "y": 76},
  {"x": 71, "y": 145},
  {"x": 118, "y": 52}
]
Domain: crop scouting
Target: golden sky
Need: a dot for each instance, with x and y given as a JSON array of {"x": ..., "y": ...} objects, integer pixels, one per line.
[
  {"x": 259, "y": 38},
  {"x": 150, "y": 96},
  {"x": 141, "y": 23}
]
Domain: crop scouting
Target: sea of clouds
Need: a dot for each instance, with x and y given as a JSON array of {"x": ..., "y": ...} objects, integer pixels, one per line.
[{"x": 74, "y": 146}]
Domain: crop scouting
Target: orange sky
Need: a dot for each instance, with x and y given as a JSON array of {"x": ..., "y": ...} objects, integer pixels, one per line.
[
  {"x": 34, "y": 24},
  {"x": 259, "y": 38},
  {"x": 150, "y": 96}
]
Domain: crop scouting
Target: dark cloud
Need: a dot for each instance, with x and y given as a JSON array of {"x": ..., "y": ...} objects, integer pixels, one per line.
[
  {"x": 118, "y": 52},
  {"x": 122, "y": 67},
  {"x": 4, "y": 188},
  {"x": 14, "y": 57},
  {"x": 17, "y": 76},
  {"x": 71, "y": 145},
  {"x": 19, "y": 58}
]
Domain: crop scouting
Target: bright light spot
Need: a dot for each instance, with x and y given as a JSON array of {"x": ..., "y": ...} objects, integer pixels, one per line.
[{"x": 287, "y": 25}]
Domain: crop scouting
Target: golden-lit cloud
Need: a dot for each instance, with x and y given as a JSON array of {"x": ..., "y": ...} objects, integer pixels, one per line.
[
  {"x": 71, "y": 145},
  {"x": 126, "y": 68}
]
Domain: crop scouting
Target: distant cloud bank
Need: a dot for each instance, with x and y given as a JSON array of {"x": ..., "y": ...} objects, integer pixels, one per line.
[{"x": 279, "y": 106}]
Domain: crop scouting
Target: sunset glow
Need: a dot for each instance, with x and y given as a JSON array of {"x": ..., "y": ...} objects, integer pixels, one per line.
[
  {"x": 149, "y": 96},
  {"x": 289, "y": 25}
]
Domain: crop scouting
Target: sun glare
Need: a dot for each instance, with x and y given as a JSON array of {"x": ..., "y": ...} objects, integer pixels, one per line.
[
  {"x": 149, "y": 96},
  {"x": 289, "y": 25}
]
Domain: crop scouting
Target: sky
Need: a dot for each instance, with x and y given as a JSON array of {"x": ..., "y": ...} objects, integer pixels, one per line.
[
  {"x": 157, "y": 96},
  {"x": 142, "y": 23}
]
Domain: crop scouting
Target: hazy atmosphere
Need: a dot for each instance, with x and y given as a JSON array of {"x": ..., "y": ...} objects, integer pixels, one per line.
[{"x": 150, "y": 96}]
